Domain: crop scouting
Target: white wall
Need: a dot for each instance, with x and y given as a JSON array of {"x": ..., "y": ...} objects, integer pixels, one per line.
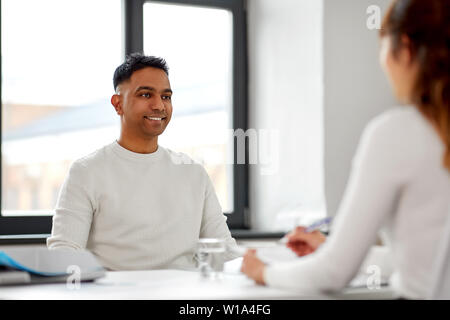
[
  {"x": 355, "y": 87},
  {"x": 285, "y": 95},
  {"x": 314, "y": 76}
]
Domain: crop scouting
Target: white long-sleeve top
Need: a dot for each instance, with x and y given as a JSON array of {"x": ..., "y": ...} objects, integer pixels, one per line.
[
  {"x": 138, "y": 211},
  {"x": 397, "y": 183}
]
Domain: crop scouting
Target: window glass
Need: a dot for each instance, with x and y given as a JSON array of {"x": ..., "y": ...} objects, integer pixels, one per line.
[
  {"x": 196, "y": 42},
  {"x": 58, "y": 60}
]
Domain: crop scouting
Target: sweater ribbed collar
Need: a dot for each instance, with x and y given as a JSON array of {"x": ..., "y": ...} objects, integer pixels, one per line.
[{"x": 130, "y": 155}]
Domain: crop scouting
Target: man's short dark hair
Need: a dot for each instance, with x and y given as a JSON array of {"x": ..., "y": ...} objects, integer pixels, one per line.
[{"x": 134, "y": 62}]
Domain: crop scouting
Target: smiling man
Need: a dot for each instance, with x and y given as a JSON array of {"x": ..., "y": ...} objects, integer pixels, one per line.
[{"x": 134, "y": 204}]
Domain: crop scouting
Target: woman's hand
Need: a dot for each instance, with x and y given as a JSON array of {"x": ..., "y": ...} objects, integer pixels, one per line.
[
  {"x": 304, "y": 243},
  {"x": 253, "y": 267}
]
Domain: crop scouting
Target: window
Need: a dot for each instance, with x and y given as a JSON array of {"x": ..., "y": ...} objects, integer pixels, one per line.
[
  {"x": 57, "y": 69},
  {"x": 58, "y": 58},
  {"x": 204, "y": 43},
  {"x": 200, "y": 61}
]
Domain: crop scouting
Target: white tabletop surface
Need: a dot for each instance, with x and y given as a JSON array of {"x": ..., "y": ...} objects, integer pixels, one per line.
[
  {"x": 184, "y": 285},
  {"x": 171, "y": 285}
]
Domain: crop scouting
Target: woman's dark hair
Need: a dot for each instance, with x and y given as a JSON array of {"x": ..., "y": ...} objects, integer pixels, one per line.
[
  {"x": 427, "y": 25},
  {"x": 134, "y": 62}
]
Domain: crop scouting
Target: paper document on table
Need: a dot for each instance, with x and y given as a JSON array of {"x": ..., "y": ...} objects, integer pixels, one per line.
[
  {"x": 376, "y": 269},
  {"x": 364, "y": 280},
  {"x": 269, "y": 254},
  {"x": 276, "y": 254}
]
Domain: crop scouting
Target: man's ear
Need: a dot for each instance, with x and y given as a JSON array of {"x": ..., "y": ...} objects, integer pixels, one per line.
[{"x": 116, "y": 101}]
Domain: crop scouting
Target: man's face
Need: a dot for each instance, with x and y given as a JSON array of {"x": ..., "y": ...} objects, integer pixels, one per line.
[{"x": 144, "y": 103}]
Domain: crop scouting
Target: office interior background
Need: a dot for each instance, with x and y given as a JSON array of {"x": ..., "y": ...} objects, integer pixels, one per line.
[{"x": 305, "y": 71}]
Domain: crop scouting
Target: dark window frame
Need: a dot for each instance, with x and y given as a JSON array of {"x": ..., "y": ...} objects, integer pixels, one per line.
[{"x": 132, "y": 12}]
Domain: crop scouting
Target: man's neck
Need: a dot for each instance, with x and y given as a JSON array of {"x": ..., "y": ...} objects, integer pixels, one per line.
[{"x": 139, "y": 145}]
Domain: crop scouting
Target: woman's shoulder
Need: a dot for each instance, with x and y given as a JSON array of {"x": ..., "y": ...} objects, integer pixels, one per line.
[
  {"x": 401, "y": 124},
  {"x": 400, "y": 138},
  {"x": 407, "y": 116}
]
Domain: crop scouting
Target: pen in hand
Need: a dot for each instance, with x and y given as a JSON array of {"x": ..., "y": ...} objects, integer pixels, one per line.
[
  {"x": 316, "y": 225},
  {"x": 319, "y": 224}
]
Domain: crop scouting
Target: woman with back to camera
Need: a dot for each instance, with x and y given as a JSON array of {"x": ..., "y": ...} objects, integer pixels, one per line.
[{"x": 400, "y": 178}]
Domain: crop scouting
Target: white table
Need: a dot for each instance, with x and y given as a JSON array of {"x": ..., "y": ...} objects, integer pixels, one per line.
[{"x": 172, "y": 285}]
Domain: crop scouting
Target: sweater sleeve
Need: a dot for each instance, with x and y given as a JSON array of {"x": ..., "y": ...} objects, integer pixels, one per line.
[
  {"x": 214, "y": 221},
  {"x": 73, "y": 212},
  {"x": 370, "y": 196}
]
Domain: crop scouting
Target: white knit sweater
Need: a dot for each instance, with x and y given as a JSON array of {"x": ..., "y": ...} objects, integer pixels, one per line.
[{"x": 137, "y": 211}]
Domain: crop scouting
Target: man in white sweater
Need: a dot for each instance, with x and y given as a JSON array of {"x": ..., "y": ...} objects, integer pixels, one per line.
[{"x": 134, "y": 204}]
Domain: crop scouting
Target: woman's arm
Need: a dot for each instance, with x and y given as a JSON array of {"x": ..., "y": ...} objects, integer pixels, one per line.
[{"x": 376, "y": 178}]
